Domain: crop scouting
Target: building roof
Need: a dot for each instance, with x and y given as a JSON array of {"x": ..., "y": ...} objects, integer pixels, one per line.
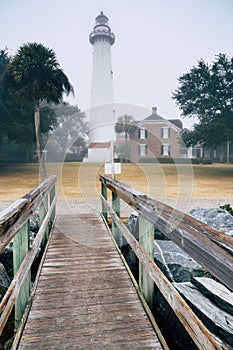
[
  {"x": 100, "y": 145},
  {"x": 155, "y": 117},
  {"x": 176, "y": 122}
]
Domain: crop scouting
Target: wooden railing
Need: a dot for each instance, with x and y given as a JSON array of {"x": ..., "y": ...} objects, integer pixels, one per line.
[
  {"x": 212, "y": 249},
  {"x": 14, "y": 225}
]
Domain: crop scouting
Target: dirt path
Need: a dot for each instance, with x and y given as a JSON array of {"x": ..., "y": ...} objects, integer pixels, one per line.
[{"x": 80, "y": 207}]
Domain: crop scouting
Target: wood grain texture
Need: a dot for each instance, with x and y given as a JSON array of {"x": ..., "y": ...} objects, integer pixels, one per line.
[{"x": 85, "y": 298}]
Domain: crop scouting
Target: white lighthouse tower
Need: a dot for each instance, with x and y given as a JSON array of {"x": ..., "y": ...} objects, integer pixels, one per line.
[{"x": 102, "y": 121}]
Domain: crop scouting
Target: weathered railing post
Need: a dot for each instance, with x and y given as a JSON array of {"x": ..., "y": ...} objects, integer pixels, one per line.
[
  {"x": 146, "y": 240},
  {"x": 51, "y": 198},
  {"x": 116, "y": 207},
  {"x": 43, "y": 209},
  {"x": 20, "y": 250},
  {"x": 104, "y": 194}
]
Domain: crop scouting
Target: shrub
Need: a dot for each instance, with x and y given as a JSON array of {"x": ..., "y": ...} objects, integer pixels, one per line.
[
  {"x": 169, "y": 160},
  {"x": 206, "y": 161},
  {"x": 73, "y": 157},
  {"x": 227, "y": 207}
]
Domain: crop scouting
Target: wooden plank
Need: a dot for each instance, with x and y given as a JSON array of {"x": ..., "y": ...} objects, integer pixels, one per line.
[
  {"x": 104, "y": 194},
  {"x": 43, "y": 209},
  {"x": 20, "y": 250},
  {"x": 52, "y": 195},
  {"x": 116, "y": 207},
  {"x": 198, "y": 332},
  {"x": 86, "y": 304},
  {"x": 146, "y": 240}
]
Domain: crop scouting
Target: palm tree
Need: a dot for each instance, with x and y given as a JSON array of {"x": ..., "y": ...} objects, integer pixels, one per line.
[
  {"x": 125, "y": 124},
  {"x": 34, "y": 75}
]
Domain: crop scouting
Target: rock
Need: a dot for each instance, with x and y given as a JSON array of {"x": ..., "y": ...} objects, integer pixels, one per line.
[
  {"x": 6, "y": 257},
  {"x": 132, "y": 224},
  {"x": 8, "y": 344},
  {"x": 35, "y": 222},
  {"x": 176, "y": 336},
  {"x": 175, "y": 264},
  {"x": 4, "y": 281},
  {"x": 215, "y": 291},
  {"x": 216, "y": 320},
  {"x": 160, "y": 236},
  {"x": 217, "y": 218}
]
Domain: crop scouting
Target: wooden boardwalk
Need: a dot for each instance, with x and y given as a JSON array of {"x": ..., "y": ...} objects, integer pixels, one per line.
[{"x": 85, "y": 298}]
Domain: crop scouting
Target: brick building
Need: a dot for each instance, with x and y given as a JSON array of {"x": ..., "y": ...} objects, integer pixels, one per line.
[{"x": 156, "y": 137}]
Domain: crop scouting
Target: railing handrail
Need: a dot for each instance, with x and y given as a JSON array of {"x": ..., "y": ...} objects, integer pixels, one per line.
[
  {"x": 188, "y": 233},
  {"x": 209, "y": 247},
  {"x": 14, "y": 216},
  {"x": 194, "y": 326},
  {"x": 14, "y": 224}
]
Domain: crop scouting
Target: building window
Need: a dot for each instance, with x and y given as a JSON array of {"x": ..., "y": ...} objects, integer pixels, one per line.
[
  {"x": 165, "y": 133},
  {"x": 142, "y": 133},
  {"x": 165, "y": 150},
  {"x": 142, "y": 150}
]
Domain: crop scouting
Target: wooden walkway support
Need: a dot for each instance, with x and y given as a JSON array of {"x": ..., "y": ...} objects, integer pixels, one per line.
[{"x": 85, "y": 298}]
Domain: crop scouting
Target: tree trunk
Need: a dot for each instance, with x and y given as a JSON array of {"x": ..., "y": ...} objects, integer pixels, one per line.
[
  {"x": 42, "y": 171},
  {"x": 221, "y": 154}
]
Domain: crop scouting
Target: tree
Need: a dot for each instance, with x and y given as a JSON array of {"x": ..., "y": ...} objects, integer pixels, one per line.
[
  {"x": 206, "y": 92},
  {"x": 4, "y": 100},
  {"x": 125, "y": 124},
  {"x": 16, "y": 117},
  {"x": 34, "y": 76},
  {"x": 70, "y": 135}
]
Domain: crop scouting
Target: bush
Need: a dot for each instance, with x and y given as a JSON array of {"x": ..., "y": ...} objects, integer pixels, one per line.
[
  {"x": 195, "y": 161},
  {"x": 73, "y": 157},
  {"x": 122, "y": 160},
  {"x": 227, "y": 207},
  {"x": 224, "y": 160},
  {"x": 206, "y": 161},
  {"x": 76, "y": 157},
  {"x": 148, "y": 160},
  {"x": 169, "y": 160},
  {"x": 12, "y": 160}
]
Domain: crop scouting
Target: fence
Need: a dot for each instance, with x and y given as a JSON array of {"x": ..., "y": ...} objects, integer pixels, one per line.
[
  {"x": 15, "y": 225},
  {"x": 210, "y": 248}
]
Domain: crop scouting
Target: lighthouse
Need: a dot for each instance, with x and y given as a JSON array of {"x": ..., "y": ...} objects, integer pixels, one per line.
[{"x": 102, "y": 120}]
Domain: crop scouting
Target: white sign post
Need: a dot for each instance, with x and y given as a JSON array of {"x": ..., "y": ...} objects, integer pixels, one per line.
[
  {"x": 112, "y": 168},
  {"x": 116, "y": 168}
]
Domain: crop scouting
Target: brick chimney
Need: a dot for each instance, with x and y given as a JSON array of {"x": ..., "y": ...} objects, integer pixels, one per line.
[{"x": 154, "y": 110}]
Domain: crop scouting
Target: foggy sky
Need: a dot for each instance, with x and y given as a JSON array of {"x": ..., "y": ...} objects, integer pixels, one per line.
[{"x": 156, "y": 42}]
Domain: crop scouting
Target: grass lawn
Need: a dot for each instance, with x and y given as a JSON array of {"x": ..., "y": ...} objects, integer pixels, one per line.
[{"x": 165, "y": 181}]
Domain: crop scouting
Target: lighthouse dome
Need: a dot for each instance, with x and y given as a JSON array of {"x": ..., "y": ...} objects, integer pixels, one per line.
[{"x": 101, "y": 19}]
